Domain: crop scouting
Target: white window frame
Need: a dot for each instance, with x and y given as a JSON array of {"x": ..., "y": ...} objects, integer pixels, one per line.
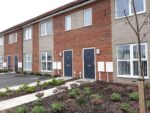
[
  {"x": 1, "y": 42},
  {"x": 13, "y": 38},
  {"x": 1, "y": 63},
  {"x": 45, "y": 27},
  {"x": 26, "y": 60},
  {"x": 91, "y": 16},
  {"x": 131, "y": 61},
  {"x": 130, "y": 9},
  {"x": 28, "y": 33},
  {"x": 46, "y": 61},
  {"x": 68, "y": 23}
]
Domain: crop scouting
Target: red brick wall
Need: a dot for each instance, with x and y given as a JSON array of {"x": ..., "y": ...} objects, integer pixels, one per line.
[
  {"x": 35, "y": 47},
  {"x": 98, "y": 35},
  {"x": 14, "y": 48}
]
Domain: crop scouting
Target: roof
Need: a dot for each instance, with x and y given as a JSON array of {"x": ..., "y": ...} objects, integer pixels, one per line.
[{"x": 64, "y": 7}]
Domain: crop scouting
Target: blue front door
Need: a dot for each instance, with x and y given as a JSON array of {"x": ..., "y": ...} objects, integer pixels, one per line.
[
  {"x": 89, "y": 63},
  {"x": 68, "y": 63},
  {"x": 16, "y": 63}
]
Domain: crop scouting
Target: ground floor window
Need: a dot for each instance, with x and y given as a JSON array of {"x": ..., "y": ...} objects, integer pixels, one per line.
[
  {"x": 46, "y": 61},
  {"x": 28, "y": 62},
  {"x": 1, "y": 62},
  {"x": 127, "y": 60}
]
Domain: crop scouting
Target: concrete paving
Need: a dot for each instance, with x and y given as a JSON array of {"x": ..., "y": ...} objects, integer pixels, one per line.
[
  {"x": 11, "y": 103},
  {"x": 12, "y": 79}
]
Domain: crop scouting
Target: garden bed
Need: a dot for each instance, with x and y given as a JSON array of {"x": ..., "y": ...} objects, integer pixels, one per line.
[
  {"x": 25, "y": 89},
  {"x": 97, "y": 97}
]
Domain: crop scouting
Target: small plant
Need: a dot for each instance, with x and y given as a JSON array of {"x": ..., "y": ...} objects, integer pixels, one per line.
[
  {"x": 38, "y": 109},
  {"x": 148, "y": 104},
  {"x": 45, "y": 84},
  {"x": 56, "y": 82},
  {"x": 24, "y": 87},
  {"x": 74, "y": 92},
  {"x": 38, "y": 82},
  {"x": 31, "y": 73},
  {"x": 134, "y": 96},
  {"x": 125, "y": 107},
  {"x": 87, "y": 91},
  {"x": 22, "y": 109},
  {"x": 25, "y": 73},
  {"x": 80, "y": 101},
  {"x": 39, "y": 99},
  {"x": 30, "y": 89},
  {"x": 115, "y": 97},
  {"x": 8, "y": 89},
  {"x": 2, "y": 94},
  {"x": 96, "y": 99},
  {"x": 57, "y": 107}
]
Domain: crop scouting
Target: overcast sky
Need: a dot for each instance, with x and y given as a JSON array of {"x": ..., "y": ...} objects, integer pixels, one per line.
[{"x": 13, "y": 12}]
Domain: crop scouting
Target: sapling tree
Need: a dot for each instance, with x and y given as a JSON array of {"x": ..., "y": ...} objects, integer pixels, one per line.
[{"x": 140, "y": 36}]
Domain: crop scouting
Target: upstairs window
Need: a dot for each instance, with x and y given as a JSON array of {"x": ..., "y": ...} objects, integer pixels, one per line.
[
  {"x": 46, "y": 28},
  {"x": 12, "y": 38},
  {"x": 126, "y": 5},
  {"x": 68, "y": 23},
  {"x": 28, "y": 33},
  {"x": 1, "y": 41},
  {"x": 1, "y": 62},
  {"x": 88, "y": 17}
]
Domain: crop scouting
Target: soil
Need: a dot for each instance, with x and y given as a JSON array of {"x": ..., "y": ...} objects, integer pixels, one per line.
[{"x": 105, "y": 105}]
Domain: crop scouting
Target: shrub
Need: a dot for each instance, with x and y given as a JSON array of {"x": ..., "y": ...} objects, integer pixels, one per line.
[
  {"x": 8, "y": 89},
  {"x": 30, "y": 89},
  {"x": 96, "y": 99},
  {"x": 25, "y": 73},
  {"x": 56, "y": 82},
  {"x": 125, "y": 107},
  {"x": 22, "y": 109},
  {"x": 2, "y": 94},
  {"x": 45, "y": 84},
  {"x": 39, "y": 99},
  {"x": 56, "y": 107},
  {"x": 134, "y": 96},
  {"x": 115, "y": 97},
  {"x": 74, "y": 92},
  {"x": 87, "y": 91},
  {"x": 38, "y": 109},
  {"x": 80, "y": 101},
  {"x": 95, "y": 96}
]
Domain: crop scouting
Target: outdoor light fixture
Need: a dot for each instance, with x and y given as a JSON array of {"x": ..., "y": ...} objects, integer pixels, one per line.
[
  {"x": 97, "y": 51},
  {"x": 60, "y": 54}
]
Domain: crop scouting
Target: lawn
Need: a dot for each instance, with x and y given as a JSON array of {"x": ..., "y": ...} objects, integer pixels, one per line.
[{"x": 96, "y": 97}]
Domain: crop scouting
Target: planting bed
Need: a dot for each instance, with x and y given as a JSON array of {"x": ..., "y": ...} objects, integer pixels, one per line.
[
  {"x": 25, "y": 89},
  {"x": 97, "y": 97}
]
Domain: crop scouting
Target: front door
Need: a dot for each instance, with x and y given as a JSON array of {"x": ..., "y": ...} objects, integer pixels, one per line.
[
  {"x": 89, "y": 63},
  {"x": 68, "y": 63},
  {"x": 16, "y": 63},
  {"x": 9, "y": 62}
]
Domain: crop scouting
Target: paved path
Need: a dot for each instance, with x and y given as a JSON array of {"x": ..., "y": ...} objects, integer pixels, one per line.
[
  {"x": 12, "y": 79},
  {"x": 7, "y": 104}
]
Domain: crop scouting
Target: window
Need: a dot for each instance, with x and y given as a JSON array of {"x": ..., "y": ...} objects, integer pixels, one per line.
[
  {"x": 126, "y": 5},
  {"x": 46, "y": 61},
  {"x": 88, "y": 17},
  {"x": 12, "y": 38},
  {"x": 46, "y": 28},
  {"x": 68, "y": 23},
  {"x": 28, "y": 33},
  {"x": 1, "y": 62},
  {"x": 1, "y": 41},
  {"x": 128, "y": 60},
  {"x": 28, "y": 62}
]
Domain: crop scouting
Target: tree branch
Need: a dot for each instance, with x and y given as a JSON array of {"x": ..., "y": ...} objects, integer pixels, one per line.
[
  {"x": 148, "y": 31},
  {"x": 144, "y": 22},
  {"x": 130, "y": 22}
]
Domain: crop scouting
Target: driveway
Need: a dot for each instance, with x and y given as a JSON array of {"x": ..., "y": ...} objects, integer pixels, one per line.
[{"x": 8, "y": 80}]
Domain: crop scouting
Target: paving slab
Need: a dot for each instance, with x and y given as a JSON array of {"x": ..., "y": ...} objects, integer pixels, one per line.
[{"x": 11, "y": 103}]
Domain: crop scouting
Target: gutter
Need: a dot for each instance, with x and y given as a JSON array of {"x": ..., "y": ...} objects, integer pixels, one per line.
[{"x": 55, "y": 14}]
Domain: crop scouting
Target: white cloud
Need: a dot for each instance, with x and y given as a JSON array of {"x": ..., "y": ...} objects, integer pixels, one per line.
[{"x": 13, "y": 12}]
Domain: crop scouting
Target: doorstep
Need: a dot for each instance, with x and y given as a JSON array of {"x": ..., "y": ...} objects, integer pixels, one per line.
[{"x": 11, "y": 103}]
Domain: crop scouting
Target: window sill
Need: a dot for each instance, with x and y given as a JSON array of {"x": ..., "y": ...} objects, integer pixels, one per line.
[
  {"x": 46, "y": 35},
  {"x": 46, "y": 71},
  {"x": 127, "y": 76},
  {"x": 27, "y": 39},
  {"x": 140, "y": 13}
]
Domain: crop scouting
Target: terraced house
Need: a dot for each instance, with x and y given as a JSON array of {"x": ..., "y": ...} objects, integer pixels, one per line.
[
  {"x": 124, "y": 40},
  {"x": 69, "y": 41},
  {"x": 1, "y": 51}
]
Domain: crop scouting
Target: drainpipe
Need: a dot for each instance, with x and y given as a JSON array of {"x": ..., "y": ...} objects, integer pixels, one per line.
[{"x": 22, "y": 47}]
